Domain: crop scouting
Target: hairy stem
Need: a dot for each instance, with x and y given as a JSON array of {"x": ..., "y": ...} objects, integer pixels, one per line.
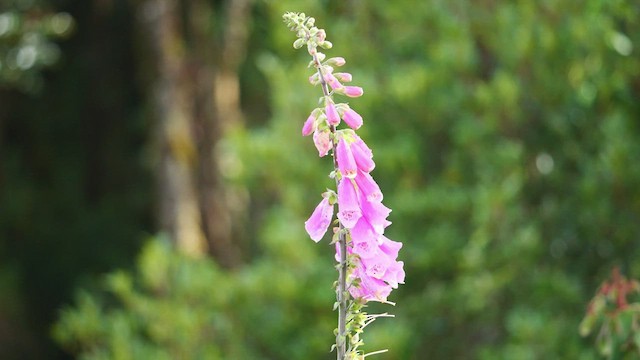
[{"x": 342, "y": 296}]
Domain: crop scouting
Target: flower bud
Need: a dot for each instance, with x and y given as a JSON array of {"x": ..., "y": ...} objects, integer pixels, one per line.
[
  {"x": 298, "y": 43},
  {"x": 336, "y": 61},
  {"x": 309, "y": 125},
  {"x": 344, "y": 77},
  {"x": 352, "y": 118},
  {"x": 332, "y": 81},
  {"x": 326, "y": 44},
  {"x": 353, "y": 91},
  {"x": 333, "y": 118}
]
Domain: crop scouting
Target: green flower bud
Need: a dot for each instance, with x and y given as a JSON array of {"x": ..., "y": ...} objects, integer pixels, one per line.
[
  {"x": 298, "y": 43},
  {"x": 326, "y": 44}
]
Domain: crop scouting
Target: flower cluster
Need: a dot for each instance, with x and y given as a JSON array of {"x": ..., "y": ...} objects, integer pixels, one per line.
[{"x": 374, "y": 269}]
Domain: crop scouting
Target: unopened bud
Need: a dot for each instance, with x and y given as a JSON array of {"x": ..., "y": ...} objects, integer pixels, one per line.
[
  {"x": 344, "y": 77},
  {"x": 336, "y": 61},
  {"x": 314, "y": 79},
  {"x": 326, "y": 44},
  {"x": 353, "y": 91},
  {"x": 298, "y": 43}
]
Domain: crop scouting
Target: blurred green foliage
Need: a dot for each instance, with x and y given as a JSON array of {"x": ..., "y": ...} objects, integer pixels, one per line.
[
  {"x": 506, "y": 138},
  {"x": 27, "y": 29},
  {"x": 176, "y": 307}
]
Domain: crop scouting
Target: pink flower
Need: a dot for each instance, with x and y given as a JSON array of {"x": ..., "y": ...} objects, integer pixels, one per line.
[
  {"x": 359, "y": 142},
  {"x": 333, "y": 118},
  {"x": 352, "y": 118},
  {"x": 322, "y": 140},
  {"x": 353, "y": 91},
  {"x": 368, "y": 187},
  {"x": 348, "y": 208},
  {"x": 377, "y": 266},
  {"x": 346, "y": 162},
  {"x": 363, "y": 160},
  {"x": 369, "y": 288},
  {"x": 395, "y": 274},
  {"x": 376, "y": 214},
  {"x": 319, "y": 221},
  {"x": 390, "y": 247},
  {"x": 362, "y": 232},
  {"x": 309, "y": 125}
]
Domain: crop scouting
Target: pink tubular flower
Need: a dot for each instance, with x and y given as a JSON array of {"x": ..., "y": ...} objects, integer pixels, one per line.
[
  {"x": 309, "y": 125},
  {"x": 353, "y": 91},
  {"x": 348, "y": 208},
  {"x": 395, "y": 274},
  {"x": 322, "y": 140},
  {"x": 368, "y": 187},
  {"x": 346, "y": 162},
  {"x": 319, "y": 221},
  {"x": 390, "y": 247},
  {"x": 333, "y": 118},
  {"x": 352, "y": 118},
  {"x": 376, "y": 214},
  {"x": 359, "y": 142},
  {"x": 363, "y": 232},
  {"x": 363, "y": 160}
]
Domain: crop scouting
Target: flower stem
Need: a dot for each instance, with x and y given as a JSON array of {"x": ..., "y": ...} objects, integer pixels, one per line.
[{"x": 342, "y": 296}]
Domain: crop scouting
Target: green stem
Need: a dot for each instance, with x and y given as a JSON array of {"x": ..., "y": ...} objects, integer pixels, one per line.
[{"x": 342, "y": 296}]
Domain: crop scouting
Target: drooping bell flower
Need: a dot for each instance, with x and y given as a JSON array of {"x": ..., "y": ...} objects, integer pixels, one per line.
[
  {"x": 368, "y": 187},
  {"x": 348, "y": 208},
  {"x": 363, "y": 160},
  {"x": 333, "y": 118},
  {"x": 346, "y": 162},
  {"x": 319, "y": 220},
  {"x": 390, "y": 247},
  {"x": 395, "y": 274},
  {"x": 376, "y": 214},
  {"x": 363, "y": 232},
  {"x": 360, "y": 143},
  {"x": 322, "y": 141},
  {"x": 364, "y": 240},
  {"x": 352, "y": 119}
]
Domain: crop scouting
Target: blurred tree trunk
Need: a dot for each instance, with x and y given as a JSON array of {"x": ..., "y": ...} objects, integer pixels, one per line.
[{"x": 196, "y": 101}]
